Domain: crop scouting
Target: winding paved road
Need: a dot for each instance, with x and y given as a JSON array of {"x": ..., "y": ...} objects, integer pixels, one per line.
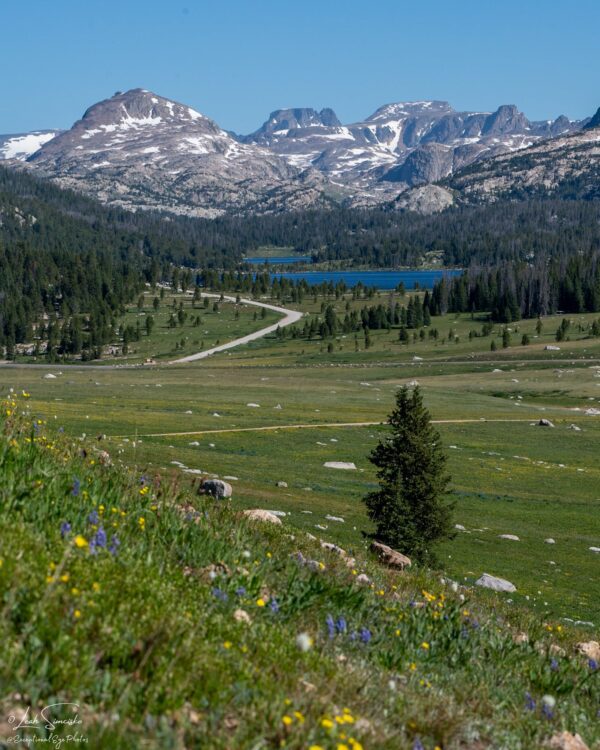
[{"x": 290, "y": 317}]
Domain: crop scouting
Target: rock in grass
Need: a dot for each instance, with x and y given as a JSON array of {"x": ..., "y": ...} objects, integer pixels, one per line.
[
  {"x": 256, "y": 514},
  {"x": 339, "y": 465},
  {"x": 595, "y": 549},
  {"x": 591, "y": 649},
  {"x": 49, "y": 376},
  {"x": 281, "y": 484},
  {"x": 567, "y": 741},
  {"x": 512, "y": 537},
  {"x": 545, "y": 423},
  {"x": 496, "y": 584},
  {"x": 240, "y": 615},
  {"x": 549, "y": 540},
  {"x": 389, "y": 556},
  {"x": 217, "y": 488}
]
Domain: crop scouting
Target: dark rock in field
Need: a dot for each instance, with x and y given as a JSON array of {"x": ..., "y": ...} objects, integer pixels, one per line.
[
  {"x": 496, "y": 584},
  {"x": 217, "y": 488},
  {"x": 390, "y": 557},
  {"x": 545, "y": 423}
]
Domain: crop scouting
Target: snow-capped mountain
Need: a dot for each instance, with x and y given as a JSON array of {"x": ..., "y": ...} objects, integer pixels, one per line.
[
  {"x": 140, "y": 150},
  {"x": 407, "y": 143},
  {"x": 22, "y": 145}
]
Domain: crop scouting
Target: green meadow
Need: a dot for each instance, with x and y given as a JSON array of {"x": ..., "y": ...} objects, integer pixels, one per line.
[{"x": 509, "y": 475}]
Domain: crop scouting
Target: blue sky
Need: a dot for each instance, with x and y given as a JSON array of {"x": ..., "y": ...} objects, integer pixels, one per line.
[{"x": 237, "y": 61}]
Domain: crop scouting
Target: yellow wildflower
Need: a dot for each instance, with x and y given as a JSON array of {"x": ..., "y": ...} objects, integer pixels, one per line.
[
  {"x": 326, "y": 723},
  {"x": 80, "y": 541},
  {"x": 425, "y": 645},
  {"x": 287, "y": 720},
  {"x": 64, "y": 577},
  {"x": 96, "y": 587},
  {"x": 227, "y": 644},
  {"x": 260, "y": 603},
  {"x": 77, "y": 614}
]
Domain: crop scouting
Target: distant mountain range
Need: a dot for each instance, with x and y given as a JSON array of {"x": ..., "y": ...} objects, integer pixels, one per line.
[{"x": 142, "y": 151}]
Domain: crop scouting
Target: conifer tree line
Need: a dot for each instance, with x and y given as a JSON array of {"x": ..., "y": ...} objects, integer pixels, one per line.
[
  {"x": 414, "y": 315},
  {"x": 512, "y": 291}
]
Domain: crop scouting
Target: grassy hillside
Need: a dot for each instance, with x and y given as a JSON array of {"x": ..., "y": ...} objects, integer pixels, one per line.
[{"x": 171, "y": 621}]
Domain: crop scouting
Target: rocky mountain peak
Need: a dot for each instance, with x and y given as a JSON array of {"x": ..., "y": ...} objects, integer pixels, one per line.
[
  {"x": 506, "y": 119},
  {"x": 409, "y": 109},
  {"x": 138, "y": 108},
  {"x": 282, "y": 121},
  {"x": 595, "y": 121}
]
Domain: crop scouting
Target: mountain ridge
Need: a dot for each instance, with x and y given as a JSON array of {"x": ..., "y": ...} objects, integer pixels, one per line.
[{"x": 139, "y": 150}]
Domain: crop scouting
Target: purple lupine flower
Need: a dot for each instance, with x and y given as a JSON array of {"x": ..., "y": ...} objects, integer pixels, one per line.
[
  {"x": 365, "y": 635},
  {"x": 593, "y": 664},
  {"x": 100, "y": 537},
  {"x": 219, "y": 594},
  {"x": 65, "y": 528},
  {"x": 76, "y": 487},
  {"x": 418, "y": 745},
  {"x": 341, "y": 625},
  {"x": 353, "y": 635},
  {"x": 547, "y": 711},
  {"x": 93, "y": 518},
  {"x": 240, "y": 591},
  {"x": 274, "y": 606},
  {"x": 143, "y": 480},
  {"x": 114, "y": 545},
  {"x": 554, "y": 665},
  {"x": 330, "y": 626},
  {"x": 529, "y": 702}
]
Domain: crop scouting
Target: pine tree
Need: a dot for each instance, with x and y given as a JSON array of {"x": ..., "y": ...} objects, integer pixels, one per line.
[{"x": 408, "y": 509}]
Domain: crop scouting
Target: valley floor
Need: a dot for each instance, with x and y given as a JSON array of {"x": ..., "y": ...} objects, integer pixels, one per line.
[{"x": 240, "y": 412}]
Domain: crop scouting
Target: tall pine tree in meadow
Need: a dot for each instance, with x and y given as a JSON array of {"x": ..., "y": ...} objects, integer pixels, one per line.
[{"x": 409, "y": 509}]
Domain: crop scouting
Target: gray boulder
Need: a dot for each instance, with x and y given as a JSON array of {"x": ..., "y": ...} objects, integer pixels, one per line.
[
  {"x": 217, "y": 488},
  {"x": 496, "y": 584},
  {"x": 390, "y": 557}
]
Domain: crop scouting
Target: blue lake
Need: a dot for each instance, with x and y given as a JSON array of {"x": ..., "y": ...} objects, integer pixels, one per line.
[
  {"x": 378, "y": 279},
  {"x": 273, "y": 261}
]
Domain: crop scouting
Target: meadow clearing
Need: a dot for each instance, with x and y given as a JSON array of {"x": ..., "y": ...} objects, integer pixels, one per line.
[{"x": 509, "y": 476}]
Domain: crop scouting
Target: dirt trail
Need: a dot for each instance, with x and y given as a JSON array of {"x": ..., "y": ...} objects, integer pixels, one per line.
[
  {"x": 289, "y": 317},
  {"x": 273, "y": 428}
]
